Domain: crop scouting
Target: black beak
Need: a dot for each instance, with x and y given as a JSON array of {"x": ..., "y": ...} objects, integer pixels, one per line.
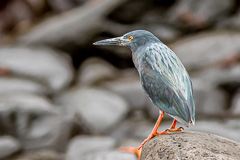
[{"x": 113, "y": 41}]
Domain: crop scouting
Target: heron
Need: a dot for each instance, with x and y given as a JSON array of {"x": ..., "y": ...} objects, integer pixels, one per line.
[{"x": 163, "y": 77}]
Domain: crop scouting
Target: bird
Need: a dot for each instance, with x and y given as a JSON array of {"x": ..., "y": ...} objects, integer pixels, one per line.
[{"x": 163, "y": 77}]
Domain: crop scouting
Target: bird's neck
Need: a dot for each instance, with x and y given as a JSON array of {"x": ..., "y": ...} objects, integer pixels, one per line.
[{"x": 137, "y": 58}]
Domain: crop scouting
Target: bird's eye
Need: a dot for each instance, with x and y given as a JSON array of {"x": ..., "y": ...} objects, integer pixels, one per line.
[{"x": 130, "y": 38}]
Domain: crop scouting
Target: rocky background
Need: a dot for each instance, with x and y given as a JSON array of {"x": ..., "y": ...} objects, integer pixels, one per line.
[{"x": 63, "y": 98}]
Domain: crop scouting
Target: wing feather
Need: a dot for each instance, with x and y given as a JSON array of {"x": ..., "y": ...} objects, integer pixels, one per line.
[{"x": 167, "y": 83}]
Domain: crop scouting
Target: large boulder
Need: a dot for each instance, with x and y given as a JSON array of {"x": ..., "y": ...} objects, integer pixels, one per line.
[
  {"x": 130, "y": 89},
  {"x": 39, "y": 155},
  {"x": 8, "y": 146},
  {"x": 95, "y": 148},
  {"x": 198, "y": 14},
  {"x": 49, "y": 68},
  {"x": 207, "y": 49},
  {"x": 81, "y": 145},
  {"x": 97, "y": 109},
  {"x": 69, "y": 27},
  {"x": 95, "y": 70},
  {"x": 190, "y": 145},
  {"x": 235, "y": 108},
  {"x": 34, "y": 121},
  {"x": 21, "y": 85}
]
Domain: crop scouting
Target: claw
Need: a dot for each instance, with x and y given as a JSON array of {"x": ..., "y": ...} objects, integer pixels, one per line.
[
  {"x": 167, "y": 130},
  {"x": 132, "y": 150},
  {"x": 181, "y": 128}
]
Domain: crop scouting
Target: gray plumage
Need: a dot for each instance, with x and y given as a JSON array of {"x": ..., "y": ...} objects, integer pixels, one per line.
[{"x": 162, "y": 74}]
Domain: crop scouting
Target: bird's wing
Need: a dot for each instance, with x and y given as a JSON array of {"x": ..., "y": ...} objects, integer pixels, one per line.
[{"x": 167, "y": 82}]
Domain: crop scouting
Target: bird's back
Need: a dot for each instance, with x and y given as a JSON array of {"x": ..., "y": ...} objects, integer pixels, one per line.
[{"x": 166, "y": 81}]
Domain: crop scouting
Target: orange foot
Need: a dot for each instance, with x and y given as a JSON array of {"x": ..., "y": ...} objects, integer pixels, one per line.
[
  {"x": 154, "y": 133},
  {"x": 132, "y": 150},
  {"x": 138, "y": 150}
]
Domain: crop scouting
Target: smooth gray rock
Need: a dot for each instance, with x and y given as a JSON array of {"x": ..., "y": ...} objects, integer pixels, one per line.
[
  {"x": 230, "y": 22},
  {"x": 17, "y": 85},
  {"x": 39, "y": 155},
  {"x": 110, "y": 155},
  {"x": 207, "y": 49},
  {"x": 68, "y": 27},
  {"x": 8, "y": 146},
  {"x": 131, "y": 90},
  {"x": 165, "y": 33},
  {"x": 45, "y": 66},
  {"x": 190, "y": 145},
  {"x": 95, "y": 70},
  {"x": 80, "y": 146},
  {"x": 97, "y": 109},
  {"x": 202, "y": 12},
  {"x": 34, "y": 121},
  {"x": 208, "y": 99},
  {"x": 235, "y": 108},
  {"x": 228, "y": 128}
]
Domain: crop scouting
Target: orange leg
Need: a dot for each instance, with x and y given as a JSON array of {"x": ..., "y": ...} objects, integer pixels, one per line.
[
  {"x": 153, "y": 134},
  {"x": 173, "y": 127}
]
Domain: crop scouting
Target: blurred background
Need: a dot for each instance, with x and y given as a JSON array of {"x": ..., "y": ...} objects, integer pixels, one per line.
[{"x": 63, "y": 98}]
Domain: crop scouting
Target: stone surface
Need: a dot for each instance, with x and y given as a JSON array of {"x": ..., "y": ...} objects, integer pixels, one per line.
[
  {"x": 230, "y": 23},
  {"x": 48, "y": 67},
  {"x": 190, "y": 145},
  {"x": 17, "y": 85},
  {"x": 209, "y": 100},
  {"x": 164, "y": 32},
  {"x": 39, "y": 155},
  {"x": 198, "y": 14},
  {"x": 97, "y": 109},
  {"x": 131, "y": 90},
  {"x": 235, "y": 108},
  {"x": 217, "y": 46},
  {"x": 34, "y": 121},
  {"x": 80, "y": 146},
  {"x": 227, "y": 127},
  {"x": 8, "y": 146},
  {"x": 53, "y": 30},
  {"x": 110, "y": 155},
  {"x": 95, "y": 70}
]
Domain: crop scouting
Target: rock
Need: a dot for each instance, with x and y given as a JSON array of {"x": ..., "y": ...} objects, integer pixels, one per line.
[
  {"x": 213, "y": 87},
  {"x": 235, "y": 108},
  {"x": 217, "y": 76},
  {"x": 17, "y": 85},
  {"x": 230, "y": 22},
  {"x": 208, "y": 99},
  {"x": 34, "y": 121},
  {"x": 131, "y": 128},
  {"x": 8, "y": 146},
  {"x": 45, "y": 66},
  {"x": 200, "y": 14},
  {"x": 80, "y": 146},
  {"x": 190, "y": 145},
  {"x": 97, "y": 109},
  {"x": 131, "y": 90},
  {"x": 110, "y": 155},
  {"x": 227, "y": 127},
  {"x": 95, "y": 70},
  {"x": 165, "y": 33},
  {"x": 39, "y": 155},
  {"x": 217, "y": 46},
  {"x": 53, "y": 30}
]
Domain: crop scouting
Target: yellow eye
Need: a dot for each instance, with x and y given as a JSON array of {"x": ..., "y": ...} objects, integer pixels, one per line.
[{"x": 130, "y": 38}]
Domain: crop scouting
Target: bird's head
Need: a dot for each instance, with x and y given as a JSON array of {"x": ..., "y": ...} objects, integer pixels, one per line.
[{"x": 132, "y": 40}]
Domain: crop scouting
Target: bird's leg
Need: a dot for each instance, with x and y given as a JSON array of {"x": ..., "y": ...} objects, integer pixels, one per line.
[
  {"x": 154, "y": 131},
  {"x": 153, "y": 134},
  {"x": 173, "y": 127}
]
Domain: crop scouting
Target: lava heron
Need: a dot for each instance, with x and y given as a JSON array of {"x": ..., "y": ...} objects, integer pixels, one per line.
[{"x": 163, "y": 77}]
